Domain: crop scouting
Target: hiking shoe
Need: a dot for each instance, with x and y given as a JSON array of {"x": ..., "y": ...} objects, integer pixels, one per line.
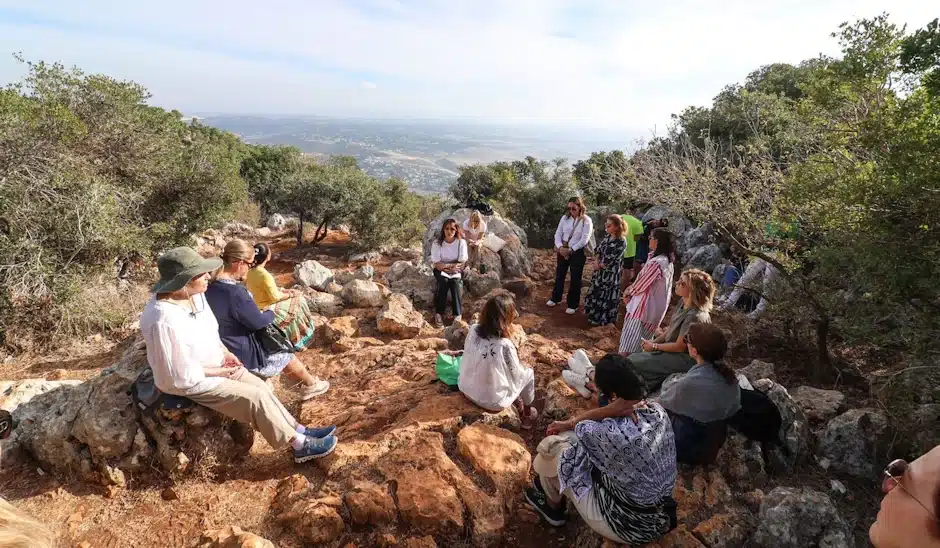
[
  {"x": 537, "y": 498},
  {"x": 570, "y": 311},
  {"x": 577, "y": 381},
  {"x": 319, "y": 433},
  {"x": 438, "y": 321},
  {"x": 311, "y": 391},
  {"x": 315, "y": 448},
  {"x": 550, "y": 303}
]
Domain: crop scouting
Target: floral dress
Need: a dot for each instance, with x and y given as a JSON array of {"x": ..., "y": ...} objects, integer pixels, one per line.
[{"x": 603, "y": 300}]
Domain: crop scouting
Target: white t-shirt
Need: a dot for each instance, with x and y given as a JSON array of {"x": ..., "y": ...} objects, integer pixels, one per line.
[
  {"x": 490, "y": 372},
  {"x": 180, "y": 344},
  {"x": 474, "y": 233},
  {"x": 454, "y": 252}
]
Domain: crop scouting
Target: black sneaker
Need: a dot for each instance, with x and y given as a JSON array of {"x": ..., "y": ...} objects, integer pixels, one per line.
[{"x": 537, "y": 498}]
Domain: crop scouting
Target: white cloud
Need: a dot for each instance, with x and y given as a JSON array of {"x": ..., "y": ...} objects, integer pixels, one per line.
[{"x": 609, "y": 63}]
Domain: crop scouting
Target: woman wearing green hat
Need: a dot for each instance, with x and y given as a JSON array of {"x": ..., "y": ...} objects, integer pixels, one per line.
[{"x": 188, "y": 359}]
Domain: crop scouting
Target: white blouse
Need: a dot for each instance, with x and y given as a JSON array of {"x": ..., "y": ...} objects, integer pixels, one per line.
[
  {"x": 577, "y": 232},
  {"x": 490, "y": 372},
  {"x": 454, "y": 252},
  {"x": 180, "y": 344},
  {"x": 475, "y": 233}
]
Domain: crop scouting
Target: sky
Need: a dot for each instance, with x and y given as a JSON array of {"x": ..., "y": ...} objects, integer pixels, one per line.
[{"x": 624, "y": 65}]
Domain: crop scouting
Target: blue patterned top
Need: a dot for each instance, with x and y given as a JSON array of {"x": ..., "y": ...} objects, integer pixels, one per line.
[{"x": 637, "y": 458}]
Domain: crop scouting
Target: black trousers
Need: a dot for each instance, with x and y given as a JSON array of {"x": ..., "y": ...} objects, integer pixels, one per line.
[
  {"x": 575, "y": 262},
  {"x": 445, "y": 286}
]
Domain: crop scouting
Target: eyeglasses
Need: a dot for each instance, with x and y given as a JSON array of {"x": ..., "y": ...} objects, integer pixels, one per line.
[{"x": 894, "y": 472}]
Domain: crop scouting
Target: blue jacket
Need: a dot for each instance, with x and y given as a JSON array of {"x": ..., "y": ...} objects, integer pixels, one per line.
[{"x": 239, "y": 319}]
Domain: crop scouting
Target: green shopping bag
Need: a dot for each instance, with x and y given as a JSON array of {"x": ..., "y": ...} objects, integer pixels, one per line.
[{"x": 448, "y": 369}]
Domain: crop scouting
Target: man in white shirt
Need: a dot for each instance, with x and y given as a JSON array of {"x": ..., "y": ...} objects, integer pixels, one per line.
[{"x": 571, "y": 238}]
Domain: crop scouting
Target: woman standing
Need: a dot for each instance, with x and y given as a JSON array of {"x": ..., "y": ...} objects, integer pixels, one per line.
[
  {"x": 602, "y": 302},
  {"x": 571, "y": 237},
  {"x": 448, "y": 255},
  {"x": 239, "y": 321},
  {"x": 291, "y": 312},
  {"x": 648, "y": 297},
  {"x": 474, "y": 229}
]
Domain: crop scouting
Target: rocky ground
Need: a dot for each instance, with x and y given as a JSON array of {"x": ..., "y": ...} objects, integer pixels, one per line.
[{"x": 417, "y": 465}]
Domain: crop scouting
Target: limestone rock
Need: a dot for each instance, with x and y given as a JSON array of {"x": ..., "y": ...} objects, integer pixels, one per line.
[
  {"x": 364, "y": 272},
  {"x": 414, "y": 281},
  {"x": 511, "y": 262},
  {"x": 313, "y": 274},
  {"x": 233, "y": 537},
  {"x": 400, "y": 318},
  {"x": 316, "y": 522},
  {"x": 276, "y": 222},
  {"x": 365, "y": 256},
  {"x": 515, "y": 258},
  {"x": 337, "y": 328},
  {"x": 706, "y": 257},
  {"x": 480, "y": 284},
  {"x": 794, "y": 429},
  {"x": 819, "y": 405},
  {"x": 741, "y": 461},
  {"x": 456, "y": 334},
  {"x": 370, "y": 504},
  {"x": 496, "y": 453},
  {"x": 758, "y": 370},
  {"x": 327, "y": 304},
  {"x": 798, "y": 518},
  {"x": 490, "y": 262},
  {"x": 362, "y": 294},
  {"x": 520, "y": 287},
  {"x": 15, "y": 393},
  {"x": 854, "y": 442}
]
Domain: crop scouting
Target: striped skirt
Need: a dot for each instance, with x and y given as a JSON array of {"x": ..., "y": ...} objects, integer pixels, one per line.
[
  {"x": 293, "y": 315},
  {"x": 633, "y": 331}
]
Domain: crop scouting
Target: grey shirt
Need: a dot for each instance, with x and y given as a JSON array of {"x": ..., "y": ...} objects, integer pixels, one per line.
[
  {"x": 682, "y": 319},
  {"x": 702, "y": 394}
]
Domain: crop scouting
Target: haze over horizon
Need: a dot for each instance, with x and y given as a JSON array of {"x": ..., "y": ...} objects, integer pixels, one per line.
[{"x": 560, "y": 63}]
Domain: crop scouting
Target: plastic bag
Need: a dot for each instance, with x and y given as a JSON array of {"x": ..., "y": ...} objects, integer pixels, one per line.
[
  {"x": 493, "y": 242},
  {"x": 448, "y": 369}
]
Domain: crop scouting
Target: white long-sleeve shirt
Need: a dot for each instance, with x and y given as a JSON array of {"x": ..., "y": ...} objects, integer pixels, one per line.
[
  {"x": 581, "y": 229},
  {"x": 490, "y": 372},
  {"x": 180, "y": 344}
]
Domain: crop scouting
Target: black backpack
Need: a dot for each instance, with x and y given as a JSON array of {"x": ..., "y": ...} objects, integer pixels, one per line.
[
  {"x": 482, "y": 207},
  {"x": 758, "y": 419}
]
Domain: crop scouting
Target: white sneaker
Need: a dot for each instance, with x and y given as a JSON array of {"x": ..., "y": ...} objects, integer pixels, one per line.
[
  {"x": 579, "y": 362},
  {"x": 316, "y": 389},
  {"x": 550, "y": 303},
  {"x": 576, "y": 381},
  {"x": 570, "y": 311}
]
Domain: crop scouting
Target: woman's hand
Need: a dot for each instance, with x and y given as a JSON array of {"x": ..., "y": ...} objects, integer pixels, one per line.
[
  {"x": 626, "y": 296},
  {"x": 659, "y": 332},
  {"x": 223, "y": 372},
  {"x": 647, "y": 346},
  {"x": 558, "y": 427},
  {"x": 231, "y": 360}
]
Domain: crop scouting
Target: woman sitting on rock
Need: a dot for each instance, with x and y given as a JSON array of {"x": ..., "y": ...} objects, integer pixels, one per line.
[
  {"x": 291, "y": 311},
  {"x": 667, "y": 353},
  {"x": 618, "y": 472},
  {"x": 647, "y": 298},
  {"x": 910, "y": 509},
  {"x": 448, "y": 255},
  {"x": 474, "y": 229},
  {"x": 704, "y": 398},
  {"x": 602, "y": 301},
  {"x": 571, "y": 237},
  {"x": 188, "y": 358},
  {"x": 240, "y": 320},
  {"x": 491, "y": 375}
]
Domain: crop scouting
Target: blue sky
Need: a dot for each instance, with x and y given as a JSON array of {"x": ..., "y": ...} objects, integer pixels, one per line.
[{"x": 618, "y": 64}]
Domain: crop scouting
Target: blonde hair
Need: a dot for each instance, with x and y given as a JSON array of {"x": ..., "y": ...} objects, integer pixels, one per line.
[
  {"x": 701, "y": 289},
  {"x": 237, "y": 250},
  {"x": 580, "y": 202},
  {"x": 619, "y": 224},
  {"x": 476, "y": 219},
  {"x": 19, "y": 530}
]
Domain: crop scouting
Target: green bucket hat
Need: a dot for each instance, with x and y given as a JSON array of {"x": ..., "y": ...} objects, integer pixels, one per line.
[{"x": 179, "y": 265}]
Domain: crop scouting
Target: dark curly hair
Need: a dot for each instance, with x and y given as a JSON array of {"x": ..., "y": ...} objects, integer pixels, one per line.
[{"x": 614, "y": 375}]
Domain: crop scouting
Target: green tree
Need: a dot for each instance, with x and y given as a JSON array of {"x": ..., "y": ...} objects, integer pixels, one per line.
[{"x": 266, "y": 170}]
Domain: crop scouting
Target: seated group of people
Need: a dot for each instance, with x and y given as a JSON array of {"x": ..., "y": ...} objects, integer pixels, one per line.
[{"x": 203, "y": 335}]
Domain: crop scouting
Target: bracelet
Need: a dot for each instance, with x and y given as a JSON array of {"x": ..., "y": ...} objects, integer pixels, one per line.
[{"x": 655, "y": 346}]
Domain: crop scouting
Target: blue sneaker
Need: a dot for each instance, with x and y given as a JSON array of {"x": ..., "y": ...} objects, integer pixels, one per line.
[
  {"x": 319, "y": 432},
  {"x": 314, "y": 449}
]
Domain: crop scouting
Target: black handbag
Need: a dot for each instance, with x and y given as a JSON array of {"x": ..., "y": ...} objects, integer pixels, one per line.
[{"x": 273, "y": 340}]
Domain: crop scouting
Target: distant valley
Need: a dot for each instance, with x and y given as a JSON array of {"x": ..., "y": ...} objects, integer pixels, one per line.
[{"x": 427, "y": 154}]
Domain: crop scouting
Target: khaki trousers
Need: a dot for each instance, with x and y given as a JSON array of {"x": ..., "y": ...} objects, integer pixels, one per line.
[
  {"x": 248, "y": 399},
  {"x": 546, "y": 467}
]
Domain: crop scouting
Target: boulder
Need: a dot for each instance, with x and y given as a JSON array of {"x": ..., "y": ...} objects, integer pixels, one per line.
[
  {"x": 414, "y": 281},
  {"x": 497, "y": 454},
  {"x": 370, "y": 504},
  {"x": 339, "y": 328},
  {"x": 480, "y": 284},
  {"x": 678, "y": 223},
  {"x": 511, "y": 262},
  {"x": 741, "y": 461},
  {"x": 364, "y": 272},
  {"x": 456, "y": 334},
  {"x": 237, "y": 230},
  {"x": 706, "y": 257},
  {"x": 15, "y": 393},
  {"x": 316, "y": 521},
  {"x": 313, "y": 274},
  {"x": 365, "y": 256},
  {"x": 855, "y": 442},
  {"x": 520, "y": 287},
  {"x": 400, "y": 318},
  {"x": 362, "y": 294},
  {"x": 819, "y": 405},
  {"x": 233, "y": 537},
  {"x": 695, "y": 238},
  {"x": 276, "y": 222},
  {"x": 794, "y": 429},
  {"x": 326, "y": 304},
  {"x": 758, "y": 370},
  {"x": 798, "y": 518}
]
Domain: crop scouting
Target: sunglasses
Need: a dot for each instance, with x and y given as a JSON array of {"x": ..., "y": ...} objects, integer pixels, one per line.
[{"x": 894, "y": 472}]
